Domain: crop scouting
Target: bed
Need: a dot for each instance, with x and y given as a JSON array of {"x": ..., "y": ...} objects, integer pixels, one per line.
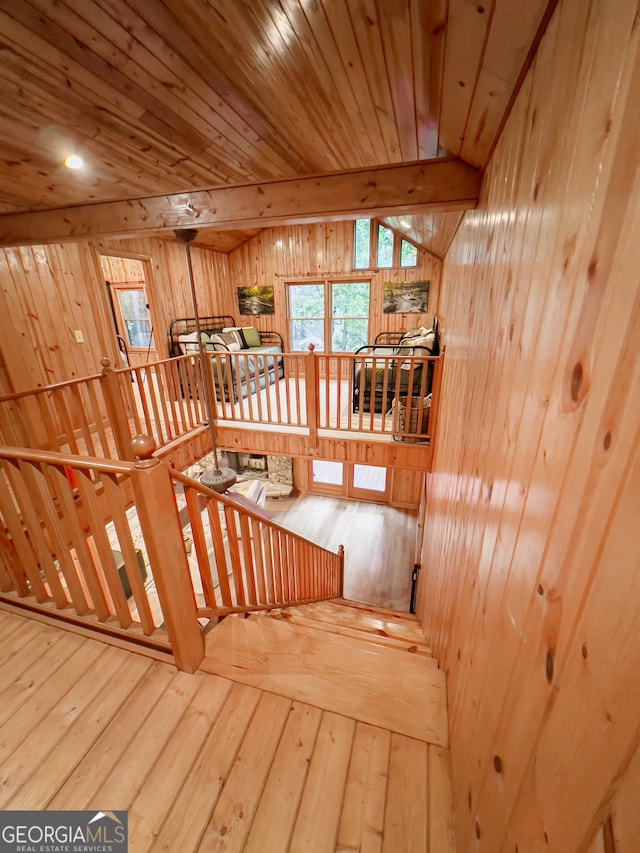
[
  {"x": 233, "y": 377},
  {"x": 403, "y": 378}
]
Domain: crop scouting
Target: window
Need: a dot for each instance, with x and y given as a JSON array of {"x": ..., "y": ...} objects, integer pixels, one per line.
[
  {"x": 349, "y": 316},
  {"x": 362, "y": 244},
  {"x": 133, "y": 312},
  {"x": 333, "y": 316},
  {"x": 306, "y": 316},
  {"x": 408, "y": 254},
  {"x": 382, "y": 243},
  {"x": 385, "y": 247}
]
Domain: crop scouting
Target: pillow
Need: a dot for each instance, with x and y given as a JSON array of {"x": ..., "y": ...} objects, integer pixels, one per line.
[
  {"x": 421, "y": 331},
  {"x": 251, "y": 336},
  {"x": 227, "y": 341},
  {"x": 189, "y": 343},
  {"x": 218, "y": 343},
  {"x": 234, "y": 335}
]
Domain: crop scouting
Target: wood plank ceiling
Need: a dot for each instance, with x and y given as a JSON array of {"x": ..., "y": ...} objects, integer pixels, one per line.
[{"x": 161, "y": 97}]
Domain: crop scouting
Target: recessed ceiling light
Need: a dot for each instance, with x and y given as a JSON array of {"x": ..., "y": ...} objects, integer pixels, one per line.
[
  {"x": 73, "y": 161},
  {"x": 405, "y": 223}
]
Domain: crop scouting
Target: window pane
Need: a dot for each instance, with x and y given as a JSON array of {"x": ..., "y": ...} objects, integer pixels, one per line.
[
  {"x": 385, "y": 246},
  {"x": 348, "y": 335},
  {"x": 327, "y": 472},
  {"x": 305, "y": 332},
  {"x": 139, "y": 333},
  {"x": 350, "y": 300},
  {"x": 369, "y": 477},
  {"x": 362, "y": 243},
  {"x": 408, "y": 254},
  {"x": 133, "y": 303},
  {"x": 306, "y": 300}
]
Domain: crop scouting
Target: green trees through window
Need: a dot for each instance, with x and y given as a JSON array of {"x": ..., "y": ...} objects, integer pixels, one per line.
[
  {"x": 333, "y": 312},
  {"x": 380, "y": 246}
]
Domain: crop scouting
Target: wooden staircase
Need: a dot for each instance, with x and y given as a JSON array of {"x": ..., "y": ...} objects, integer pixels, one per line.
[
  {"x": 377, "y": 776},
  {"x": 363, "y": 662}
]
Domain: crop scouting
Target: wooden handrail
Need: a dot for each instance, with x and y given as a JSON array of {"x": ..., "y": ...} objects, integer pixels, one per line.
[
  {"x": 256, "y": 514},
  {"x": 45, "y": 389},
  {"x": 51, "y": 457},
  {"x": 64, "y": 517},
  {"x": 100, "y": 414}
]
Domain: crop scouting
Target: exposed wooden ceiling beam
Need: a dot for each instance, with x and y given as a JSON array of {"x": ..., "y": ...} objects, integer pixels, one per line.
[{"x": 430, "y": 185}]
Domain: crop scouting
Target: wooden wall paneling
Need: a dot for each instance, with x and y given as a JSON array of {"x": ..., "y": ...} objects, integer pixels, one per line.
[
  {"x": 428, "y": 21},
  {"x": 547, "y": 473},
  {"x": 512, "y": 32},
  {"x": 47, "y": 292},
  {"x": 467, "y": 28},
  {"x": 475, "y": 308},
  {"x": 367, "y": 30},
  {"x": 610, "y": 209},
  {"x": 625, "y": 815},
  {"x": 406, "y": 486},
  {"x": 594, "y": 700},
  {"x": 515, "y": 332},
  {"x": 313, "y": 253},
  {"x": 22, "y": 372},
  {"x": 395, "y": 31},
  {"x": 516, "y": 479},
  {"x": 314, "y": 28}
]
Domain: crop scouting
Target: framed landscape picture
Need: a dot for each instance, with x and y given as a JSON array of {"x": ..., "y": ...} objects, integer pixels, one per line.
[
  {"x": 255, "y": 300},
  {"x": 405, "y": 297}
]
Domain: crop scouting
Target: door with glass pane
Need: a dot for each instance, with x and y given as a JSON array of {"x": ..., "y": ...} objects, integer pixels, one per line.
[
  {"x": 368, "y": 483},
  {"x": 134, "y": 321},
  {"x": 344, "y": 479},
  {"x": 127, "y": 281}
]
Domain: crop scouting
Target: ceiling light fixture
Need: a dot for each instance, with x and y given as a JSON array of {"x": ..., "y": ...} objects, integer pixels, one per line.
[{"x": 74, "y": 161}]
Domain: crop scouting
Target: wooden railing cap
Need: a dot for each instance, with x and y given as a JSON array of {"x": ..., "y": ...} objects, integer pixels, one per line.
[{"x": 144, "y": 447}]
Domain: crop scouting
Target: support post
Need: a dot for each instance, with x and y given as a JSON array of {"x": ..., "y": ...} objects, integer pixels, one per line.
[
  {"x": 160, "y": 524},
  {"x": 436, "y": 387},
  {"x": 116, "y": 411},
  {"x": 341, "y": 569},
  {"x": 312, "y": 395}
]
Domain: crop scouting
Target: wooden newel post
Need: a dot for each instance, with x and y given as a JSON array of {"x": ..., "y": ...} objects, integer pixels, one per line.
[
  {"x": 116, "y": 410},
  {"x": 436, "y": 388},
  {"x": 312, "y": 394},
  {"x": 341, "y": 579},
  {"x": 158, "y": 516}
]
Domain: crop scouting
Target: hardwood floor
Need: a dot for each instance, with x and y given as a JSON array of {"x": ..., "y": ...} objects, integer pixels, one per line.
[
  {"x": 379, "y": 543},
  {"x": 202, "y": 762}
]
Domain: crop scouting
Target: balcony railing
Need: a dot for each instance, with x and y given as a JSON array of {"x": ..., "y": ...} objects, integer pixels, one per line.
[
  {"x": 136, "y": 549},
  {"x": 390, "y": 397}
]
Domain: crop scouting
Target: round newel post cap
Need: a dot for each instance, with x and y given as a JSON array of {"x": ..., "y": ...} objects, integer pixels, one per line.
[
  {"x": 144, "y": 447},
  {"x": 106, "y": 363},
  {"x": 311, "y": 347}
]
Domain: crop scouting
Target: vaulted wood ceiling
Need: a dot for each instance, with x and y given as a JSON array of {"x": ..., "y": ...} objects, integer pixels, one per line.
[{"x": 163, "y": 97}]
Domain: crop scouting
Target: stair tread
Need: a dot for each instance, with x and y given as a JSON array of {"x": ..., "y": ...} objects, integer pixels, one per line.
[
  {"x": 359, "y": 679},
  {"x": 367, "y": 621},
  {"x": 374, "y": 608},
  {"x": 292, "y": 616}
]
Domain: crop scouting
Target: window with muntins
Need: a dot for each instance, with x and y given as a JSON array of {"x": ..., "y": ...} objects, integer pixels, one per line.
[{"x": 331, "y": 315}]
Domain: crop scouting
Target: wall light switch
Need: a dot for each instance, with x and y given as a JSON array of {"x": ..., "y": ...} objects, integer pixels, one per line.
[{"x": 79, "y": 336}]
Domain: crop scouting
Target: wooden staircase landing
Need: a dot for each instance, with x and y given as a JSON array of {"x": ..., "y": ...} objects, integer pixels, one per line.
[{"x": 368, "y": 665}]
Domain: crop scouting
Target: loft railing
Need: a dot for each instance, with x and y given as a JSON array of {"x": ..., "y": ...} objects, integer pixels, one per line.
[
  {"x": 104, "y": 543},
  {"x": 389, "y": 397},
  {"x": 242, "y": 561},
  {"x": 99, "y": 415},
  {"x": 364, "y": 393}
]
